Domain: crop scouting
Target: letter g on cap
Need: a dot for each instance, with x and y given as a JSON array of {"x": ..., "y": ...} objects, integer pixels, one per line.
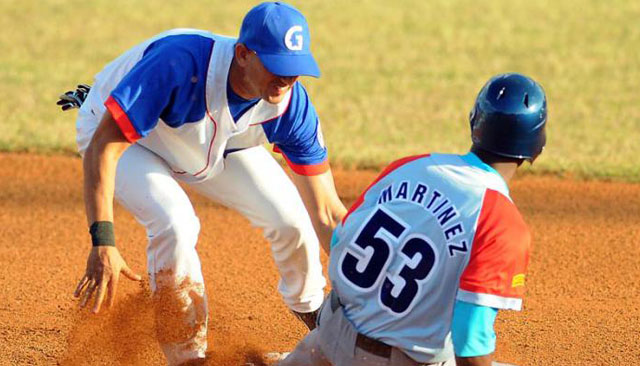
[{"x": 293, "y": 38}]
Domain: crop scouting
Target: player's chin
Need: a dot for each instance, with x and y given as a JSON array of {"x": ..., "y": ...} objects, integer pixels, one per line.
[
  {"x": 275, "y": 95},
  {"x": 274, "y": 99}
]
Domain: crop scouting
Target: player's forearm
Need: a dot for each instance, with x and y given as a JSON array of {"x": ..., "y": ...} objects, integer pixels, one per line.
[
  {"x": 332, "y": 218},
  {"x": 327, "y": 213},
  {"x": 100, "y": 162},
  {"x": 99, "y": 182},
  {"x": 324, "y": 221},
  {"x": 324, "y": 226},
  {"x": 323, "y": 204},
  {"x": 474, "y": 361}
]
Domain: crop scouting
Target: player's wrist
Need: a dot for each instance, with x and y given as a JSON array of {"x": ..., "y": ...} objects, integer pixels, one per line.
[{"x": 102, "y": 234}]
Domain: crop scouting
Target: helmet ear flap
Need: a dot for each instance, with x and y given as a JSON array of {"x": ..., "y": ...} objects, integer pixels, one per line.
[
  {"x": 474, "y": 125},
  {"x": 472, "y": 114},
  {"x": 472, "y": 117}
]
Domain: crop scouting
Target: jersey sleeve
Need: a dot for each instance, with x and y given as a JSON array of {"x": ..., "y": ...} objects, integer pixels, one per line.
[
  {"x": 298, "y": 135},
  {"x": 495, "y": 274},
  {"x": 151, "y": 90}
]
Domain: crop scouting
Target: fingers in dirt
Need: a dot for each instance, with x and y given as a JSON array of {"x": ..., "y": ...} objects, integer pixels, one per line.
[
  {"x": 112, "y": 288},
  {"x": 88, "y": 293},
  {"x": 130, "y": 274},
  {"x": 100, "y": 295},
  {"x": 83, "y": 282}
]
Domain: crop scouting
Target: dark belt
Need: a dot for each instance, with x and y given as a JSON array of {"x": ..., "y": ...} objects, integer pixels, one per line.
[{"x": 363, "y": 342}]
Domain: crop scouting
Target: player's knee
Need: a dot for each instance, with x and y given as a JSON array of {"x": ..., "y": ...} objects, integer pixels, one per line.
[
  {"x": 289, "y": 233},
  {"x": 171, "y": 254},
  {"x": 181, "y": 233}
]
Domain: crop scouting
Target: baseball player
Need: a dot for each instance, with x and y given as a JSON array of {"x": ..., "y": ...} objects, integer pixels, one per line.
[
  {"x": 189, "y": 106},
  {"x": 430, "y": 252}
]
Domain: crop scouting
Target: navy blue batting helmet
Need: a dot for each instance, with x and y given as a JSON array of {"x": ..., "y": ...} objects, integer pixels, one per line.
[{"x": 509, "y": 117}]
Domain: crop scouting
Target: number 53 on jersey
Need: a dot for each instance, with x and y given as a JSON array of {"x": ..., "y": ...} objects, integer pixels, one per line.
[{"x": 366, "y": 263}]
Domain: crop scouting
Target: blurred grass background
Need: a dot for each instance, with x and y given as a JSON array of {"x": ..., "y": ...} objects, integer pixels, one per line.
[{"x": 399, "y": 77}]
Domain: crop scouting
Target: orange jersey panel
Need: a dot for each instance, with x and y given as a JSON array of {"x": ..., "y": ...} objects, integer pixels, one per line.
[{"x": 500, "y": 250}]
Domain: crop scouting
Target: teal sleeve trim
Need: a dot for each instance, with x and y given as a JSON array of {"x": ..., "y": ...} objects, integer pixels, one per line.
[{"x": 472, "y": 329}]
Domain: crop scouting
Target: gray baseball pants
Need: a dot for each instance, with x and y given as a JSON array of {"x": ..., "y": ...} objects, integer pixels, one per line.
[{"x": 333, "y": 343}]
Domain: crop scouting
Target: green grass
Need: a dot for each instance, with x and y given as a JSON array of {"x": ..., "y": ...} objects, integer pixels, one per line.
[{"x": 398, "y": 78}]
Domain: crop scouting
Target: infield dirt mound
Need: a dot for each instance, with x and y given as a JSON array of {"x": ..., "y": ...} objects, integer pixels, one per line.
[{"x": 582, "y": 306}]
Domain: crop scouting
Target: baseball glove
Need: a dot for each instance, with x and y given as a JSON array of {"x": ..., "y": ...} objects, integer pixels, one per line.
[{"x": 74, "y": 98}]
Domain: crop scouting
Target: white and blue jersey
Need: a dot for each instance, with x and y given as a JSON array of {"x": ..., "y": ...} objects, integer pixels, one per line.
[
  {"x": 431, "y": 230},
  {"x": 171, "y": 95}
]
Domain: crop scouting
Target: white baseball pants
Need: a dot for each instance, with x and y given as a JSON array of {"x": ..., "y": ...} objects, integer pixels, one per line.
[{"x": 252, "y": 183}]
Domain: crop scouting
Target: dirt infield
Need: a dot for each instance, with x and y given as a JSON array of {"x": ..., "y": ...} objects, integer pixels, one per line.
[{"x": 582, "y": 305}]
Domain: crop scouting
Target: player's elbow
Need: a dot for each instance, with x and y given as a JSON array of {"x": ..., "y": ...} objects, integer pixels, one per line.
[{"x": 484, "y": 360}]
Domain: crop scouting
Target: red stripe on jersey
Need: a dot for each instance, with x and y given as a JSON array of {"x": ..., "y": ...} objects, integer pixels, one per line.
[
  {"x": 393, "y": 166},
  {"x": 308, "y": 170},
  {"x": 123, "y": 121},
  {"x": 500, "y": 250}
]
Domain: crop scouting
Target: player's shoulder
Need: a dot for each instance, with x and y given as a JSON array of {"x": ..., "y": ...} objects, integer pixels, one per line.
[
  {"x": 186, "y": 53},
  {"x": 405, "y": 161},
  {"x": 500, "y": 218},
  {"x": 434, "y": 165},
  {"x": 432, "y": 159},
  {"x": 398, "y": 168},
  {"x": 186, "y": 32},
  {"x": 179, "y": 43},
  {"x": 499, "y": 203}
]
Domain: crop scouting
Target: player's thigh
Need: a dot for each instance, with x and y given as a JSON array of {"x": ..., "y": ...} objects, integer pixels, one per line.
[
  {"x": 253, "y": 183},
  {"x": 307, "y": 353},
  {"x": 146, "y": 188}
]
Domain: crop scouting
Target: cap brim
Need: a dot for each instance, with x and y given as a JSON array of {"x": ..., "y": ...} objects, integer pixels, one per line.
[{"x": 290, "y": 65}]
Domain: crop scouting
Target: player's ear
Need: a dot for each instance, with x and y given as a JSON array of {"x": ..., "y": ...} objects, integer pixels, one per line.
[{"x": 242, "y": 54}]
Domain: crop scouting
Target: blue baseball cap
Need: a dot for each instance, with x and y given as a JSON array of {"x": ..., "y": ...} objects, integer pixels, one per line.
[{"x": 279, "y": 34}]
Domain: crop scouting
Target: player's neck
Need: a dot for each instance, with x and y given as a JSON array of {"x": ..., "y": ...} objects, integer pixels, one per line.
[
  {"x": 506, "y": 167},
  {"x": 237, "y": 81},
  {"x": 506, "y": 170}
]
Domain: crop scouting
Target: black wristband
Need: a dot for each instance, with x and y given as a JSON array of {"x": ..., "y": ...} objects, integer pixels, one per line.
[{"x": 102, "y": 234}]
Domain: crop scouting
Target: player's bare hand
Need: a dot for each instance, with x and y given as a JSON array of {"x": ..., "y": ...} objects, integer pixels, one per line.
[{"x": 104, "y": 266}]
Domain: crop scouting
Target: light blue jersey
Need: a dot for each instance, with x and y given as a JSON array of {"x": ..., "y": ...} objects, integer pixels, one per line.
[{"x": 431, "y": 229}]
